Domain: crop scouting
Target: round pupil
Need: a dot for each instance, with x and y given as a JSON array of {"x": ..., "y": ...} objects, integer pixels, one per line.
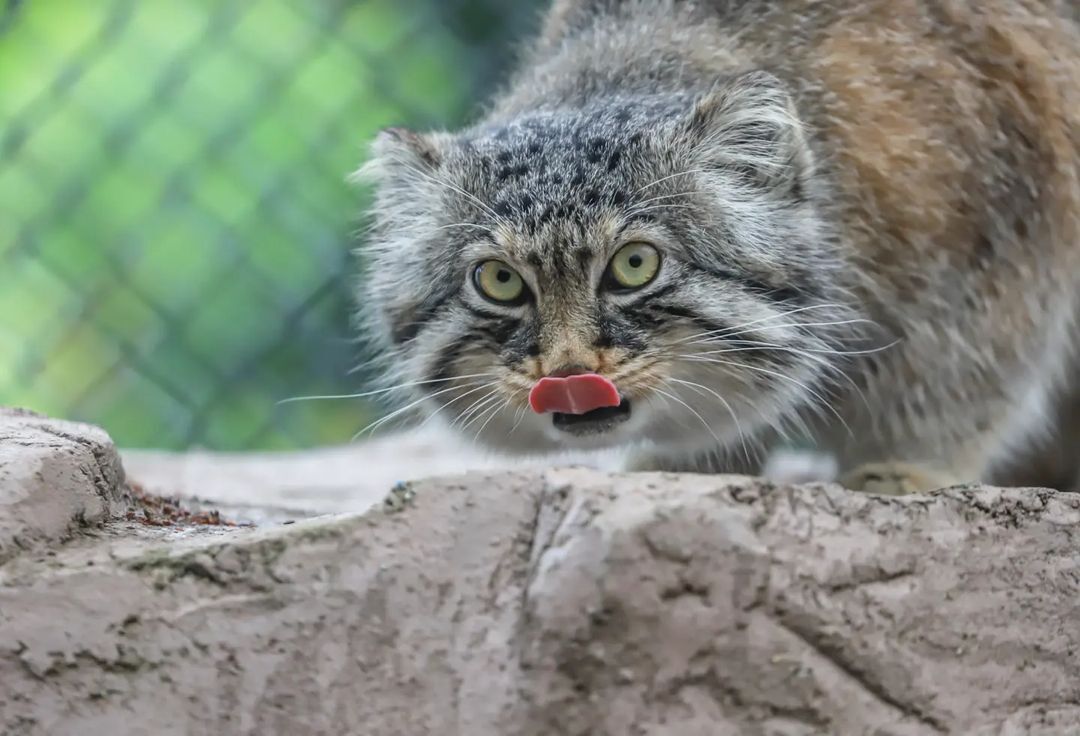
[
  {"x": 502, "y": 276},
  {"x": 635, "y": 261}
]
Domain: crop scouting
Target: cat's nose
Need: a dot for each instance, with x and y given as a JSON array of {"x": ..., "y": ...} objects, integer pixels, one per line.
[{"x": 570, "y": 370}]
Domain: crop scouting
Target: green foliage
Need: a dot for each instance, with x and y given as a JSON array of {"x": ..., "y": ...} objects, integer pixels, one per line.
[{"x": 175, "y": 224}]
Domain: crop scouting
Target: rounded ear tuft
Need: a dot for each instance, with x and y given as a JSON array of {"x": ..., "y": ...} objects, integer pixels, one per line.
[
  {"x": 749, "y": 123},
  {"x": 397, "y": 150},
  {"x": 408, "y": 144},
  {"x": 752, "y": 91}
]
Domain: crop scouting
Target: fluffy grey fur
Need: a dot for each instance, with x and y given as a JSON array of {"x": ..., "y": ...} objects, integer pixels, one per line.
[{"x": 700, "y": 128}]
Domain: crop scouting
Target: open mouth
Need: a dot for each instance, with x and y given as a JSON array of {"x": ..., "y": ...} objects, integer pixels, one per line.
[{"x": 596, "y": 421}]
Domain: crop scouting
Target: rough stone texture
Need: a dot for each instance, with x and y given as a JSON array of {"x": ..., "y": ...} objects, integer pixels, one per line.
[
  {"x": 565, "y": 602},
  {"x": 55, "y": 477}
]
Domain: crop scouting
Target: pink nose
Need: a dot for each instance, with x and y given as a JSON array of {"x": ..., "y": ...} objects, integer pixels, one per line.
[{"x": 575, "y": 394}]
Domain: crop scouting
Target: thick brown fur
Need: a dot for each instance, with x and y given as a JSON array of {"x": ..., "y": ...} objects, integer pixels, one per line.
[
  {"x": 942, "y": 161},
  {"x": 951, "y": 131}
]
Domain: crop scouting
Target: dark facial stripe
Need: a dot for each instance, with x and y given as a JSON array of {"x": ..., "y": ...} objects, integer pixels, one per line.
[
  {"x": 699, "y": 320},
  {"x": 417, "y": 319},
  {"x": 519, "y": 341},
  {"x": 500, "y": 330},
  {"x": 753, "y": 351},
  {"x": 443, "y": 368},
  {"x": 648, "y": 296},
  {"x": 750, "y": 349},
  {"x": 622, "y": 328},
  {"x": 779, "y": 294},
  {"x": 584, "y": 256},
  {"x": 486, "y": 314},
  {"x": 514, "y": 337}
]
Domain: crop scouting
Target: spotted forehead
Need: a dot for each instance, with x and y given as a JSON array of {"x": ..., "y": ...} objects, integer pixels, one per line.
[{"x": 553, "y": 168}]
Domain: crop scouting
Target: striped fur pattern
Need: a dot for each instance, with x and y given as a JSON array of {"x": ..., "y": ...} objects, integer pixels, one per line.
[{"x": 866, "y": 210}]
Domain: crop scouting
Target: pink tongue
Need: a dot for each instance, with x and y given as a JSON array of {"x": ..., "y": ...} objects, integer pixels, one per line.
[{"x": 573, "y": 394}]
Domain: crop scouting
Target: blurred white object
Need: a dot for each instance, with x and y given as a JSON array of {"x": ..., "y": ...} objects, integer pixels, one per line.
[
  {"x": 273, "y": 485},
  {"x": 800, "y": 466}
]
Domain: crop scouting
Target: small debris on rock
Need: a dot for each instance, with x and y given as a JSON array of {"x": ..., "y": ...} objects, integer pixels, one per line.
[
  {"x": 153, "y": 510},
  {"x": 400, "y": 496}
]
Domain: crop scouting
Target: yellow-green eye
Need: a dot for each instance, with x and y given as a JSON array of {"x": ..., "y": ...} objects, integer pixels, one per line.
[
  {"x": 499, "y": 283},
  {"x": 634, "y": 266}
]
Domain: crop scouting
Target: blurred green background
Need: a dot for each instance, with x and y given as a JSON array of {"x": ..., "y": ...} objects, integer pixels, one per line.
[{"x": 175, "y": 223}]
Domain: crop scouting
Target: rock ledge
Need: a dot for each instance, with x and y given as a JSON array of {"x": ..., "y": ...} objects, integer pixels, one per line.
[{"x": 567, "y": 601}]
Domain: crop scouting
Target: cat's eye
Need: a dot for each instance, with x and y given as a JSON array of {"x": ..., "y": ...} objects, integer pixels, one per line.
[
  {"x": 634, "y": 266},
  {"x": 499, "y": 283}
]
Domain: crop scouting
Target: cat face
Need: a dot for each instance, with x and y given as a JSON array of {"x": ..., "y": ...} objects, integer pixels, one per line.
[{"x": 670, "y": 244}]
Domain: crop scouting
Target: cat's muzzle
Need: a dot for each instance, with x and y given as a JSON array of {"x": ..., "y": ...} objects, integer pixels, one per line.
[{"x": 592, "y": 422}]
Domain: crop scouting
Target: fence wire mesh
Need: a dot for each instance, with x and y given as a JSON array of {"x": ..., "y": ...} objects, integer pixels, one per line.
[{"x": 175, "y": 224}]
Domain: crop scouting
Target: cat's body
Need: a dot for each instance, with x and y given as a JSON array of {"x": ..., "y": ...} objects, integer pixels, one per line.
[{"x": 866, "y": 215}]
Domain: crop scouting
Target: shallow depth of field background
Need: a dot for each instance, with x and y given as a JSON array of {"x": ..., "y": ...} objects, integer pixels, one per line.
[{"x": 175, "y": 224}]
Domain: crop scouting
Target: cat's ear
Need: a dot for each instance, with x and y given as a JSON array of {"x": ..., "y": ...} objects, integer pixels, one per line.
[
  {"x": 408, "y": 146},
  {"x": 400, "y": 150},
  {"x": 749, "y": 125}
]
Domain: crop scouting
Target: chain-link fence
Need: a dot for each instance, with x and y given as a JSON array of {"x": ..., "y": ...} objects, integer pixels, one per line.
[{"x": 175, "y": 224}]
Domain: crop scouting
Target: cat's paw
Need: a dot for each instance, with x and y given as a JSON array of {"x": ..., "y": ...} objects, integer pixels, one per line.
[{"x": 896, "y": 479}]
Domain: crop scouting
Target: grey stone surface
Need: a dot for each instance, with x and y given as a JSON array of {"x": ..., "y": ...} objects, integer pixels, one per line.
[
  {"x": 564, "y": 602},
  {"x": 55, "y": 478}
]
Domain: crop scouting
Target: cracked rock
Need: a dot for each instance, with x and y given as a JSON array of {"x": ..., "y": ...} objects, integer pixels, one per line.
[
  {"x": 55, "y": 478},
  {"x": 569, "y": 602}
]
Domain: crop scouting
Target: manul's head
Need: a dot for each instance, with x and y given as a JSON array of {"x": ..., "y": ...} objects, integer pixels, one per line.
[{"x": 645, "y": 269}]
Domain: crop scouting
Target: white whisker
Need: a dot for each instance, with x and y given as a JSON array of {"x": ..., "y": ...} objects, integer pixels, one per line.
[
  {"x": 380, "y": 391},
  {"x": 765, "y": 371},
  {"x": 758, "y": 345},
  {"x": 379, "y": 422},
  {"x": 663, "y": 197},
  {"x": 479, "y": 411},
  {"x": 742, "y": 327},
  {"x": 494, "y": 413},
  {"x": 667, "y": 205},
  {"x": 476, "y": 225},
  {"x": 483, "y": 398},
  {"x": 692, "y": 411},
  {"x": 661, "y": 180},
  {"x": 453, "y": 187},
  {"x": 667, "y": 408},
  {"x": 365, "y": 364},
  {"x": 727, "y": 406},
  {"x": 519, "y": 418}
]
